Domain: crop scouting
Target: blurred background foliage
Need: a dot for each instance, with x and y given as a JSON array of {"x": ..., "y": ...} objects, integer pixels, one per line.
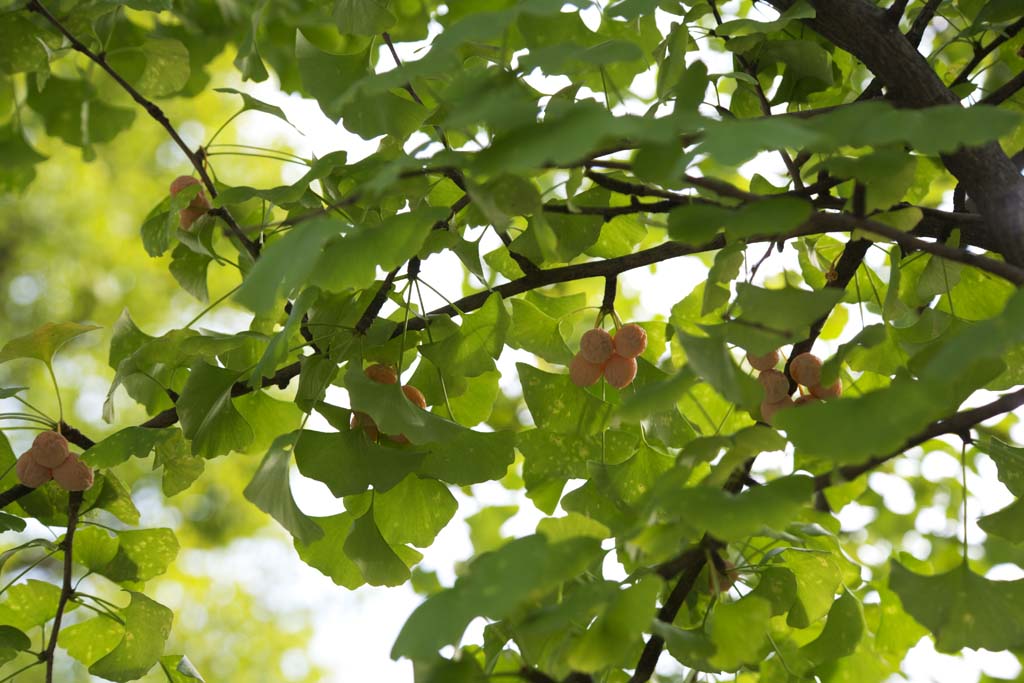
[{"x": 70, "y": 250}]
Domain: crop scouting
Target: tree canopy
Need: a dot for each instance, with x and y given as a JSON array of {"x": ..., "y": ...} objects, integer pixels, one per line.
[{"x": 844, "y": 175}]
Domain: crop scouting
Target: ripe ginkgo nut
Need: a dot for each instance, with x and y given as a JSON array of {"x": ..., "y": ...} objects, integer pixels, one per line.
[
  {"x": 50, "y": 449},
  {"x": 805, "y": 369},
  {"x": 596, "y": 346},
  {"x": 630, "y": 341},
  {"x": 582, "y": 372},
  {"x": 363, "y": 421},
  {"x": 769, "y": 410},
  {"x": 73, "y": 474},
  {"x": 804, "y": 399},
  {"x": 834, "y": 390},
  {"x": 31, "y": 473},
  {"x": 415, "y": 396},
  {"x": 382, "y": 374},
  {"x": 775, "y": 385},
  {"x": 722, "y": 580},
  {"x": 765, "y": 362},
  {"x": 196, "y": 208},
  {"x": 620, "y": 371}
]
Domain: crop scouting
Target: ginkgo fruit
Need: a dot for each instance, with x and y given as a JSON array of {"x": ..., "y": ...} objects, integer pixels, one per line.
[
  {"x": 363, "y": 421},
  {"x": 382, "y": 374},
  {"x": 769, "y": 410},
  {"x": 31, "y": 473},
  {"x": 765, "y": 362},
  {"x": 805, "y": 369},
  {"x": 834, "y": 390},
  {"x": 805, "y": 399},
  {"x": 73, "y": 474},
  {"x": 415, "y": 396},
  {"x": 775, "y": 385},
  {"x": 722, "y": 581},
  {"x": 582, "y": 372},
  {"x": 50, "y": 449},
  {"x": 630, "y": 341},
  {"x": 596, "y": 346},
  {"x": 620, "y": 371},
  {"x": 196, "y": 208}
]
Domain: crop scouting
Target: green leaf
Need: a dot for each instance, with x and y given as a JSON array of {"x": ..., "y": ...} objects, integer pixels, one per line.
[
  {"x": 181, "y": 468},
  {"x": 739, "y": 631},
  {"x": 612, "y": 637},
  {"x": 20, "y": 46},
  {"x": 286, "y": 263},
  {"x": 72, "y": 112},
  {"x": 207, "y": 414},
  {"x": 270, "y": 491},
  {"x": 20, "y": 159},
  {"x": 95, "y": 547},
  {"x": 494, "y": 586},
  {"x": 362, "y": 17},
  {"x": 558, "y": 405},
  {"x": 130, "y": 442},
  {"x": 147, "y": 625},
  {"x": 469, "y": 352},
  {"x": 818, "y": 576},
  {"x": 378, "y": 562},
  {"x": 1007, "y": 523},
  {"x": 166, "y": 70},
  {"x": 414, "y": 511},
  {"x": 1009, "y": 461},
  {"x": 349, "y": 463},
  {"x": 141, "y": 555},
  {"x": 963, "y": 609},
  {"x": 44, "y": 342},
  {"x": 250, "y": 103},
  {"x": 735, "y": 517},
  {"x": 843, "y": 631},
  {"x": 788, "y": 309},
  {"x": 711, "y": 360},
  {"x": 30, "y": 604},
  {"x": 89, "y": 640},
  {"x": 352, "y": 261},
  {"x": 325, "y": 553},
  {"x": 179, "y": 669}
]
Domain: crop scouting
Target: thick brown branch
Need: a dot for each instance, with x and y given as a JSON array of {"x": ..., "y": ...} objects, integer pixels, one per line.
[
  {"x": 14, "y": 493},
  {"x": 987, "y": 174}
]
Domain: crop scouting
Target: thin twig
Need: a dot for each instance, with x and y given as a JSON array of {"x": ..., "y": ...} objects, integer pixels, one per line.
[{"x": 984, "y": 51}]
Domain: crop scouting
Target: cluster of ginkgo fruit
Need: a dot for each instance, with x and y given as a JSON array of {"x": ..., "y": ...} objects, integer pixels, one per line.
[
  {"x": 385, "y": 374},
  {"x": 614, "y": 358},
  {"x": 49, "y": 458},
  {"x": 805, "y": 369}
]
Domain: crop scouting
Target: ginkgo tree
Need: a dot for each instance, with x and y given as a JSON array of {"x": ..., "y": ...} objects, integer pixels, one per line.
[{"x": 884, "y": 201}]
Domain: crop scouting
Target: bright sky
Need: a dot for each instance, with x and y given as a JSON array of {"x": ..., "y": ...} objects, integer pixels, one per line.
[{"x": 355, "y": 630}]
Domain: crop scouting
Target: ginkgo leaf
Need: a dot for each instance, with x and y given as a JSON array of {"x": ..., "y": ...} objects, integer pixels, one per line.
[
  {"x": 43, "y": 342},
  {"x": 147, "y": 624},
  {"x": 963, "y": 609}
]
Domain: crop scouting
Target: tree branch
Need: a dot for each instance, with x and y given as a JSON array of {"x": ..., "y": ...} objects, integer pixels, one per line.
[
  {"x": 157, "y": 114},
  {"x": 66, "y": 591},
  {"x": 959, "y": 423},
  {"x": 980, "y": 53},
  {"x": 986, "y": 172},
  {"x": 14, "y": 493},
  {"x": 1004, "y": 92}
]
